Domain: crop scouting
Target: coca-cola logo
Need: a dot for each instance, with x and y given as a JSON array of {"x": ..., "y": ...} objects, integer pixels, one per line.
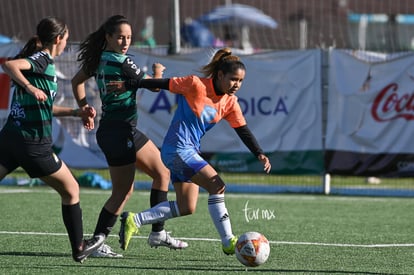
[{"x": 389, "y": 104}]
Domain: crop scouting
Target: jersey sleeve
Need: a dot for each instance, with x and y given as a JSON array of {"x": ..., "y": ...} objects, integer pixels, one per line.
[
  {"x": 131, "y": 71},
  {"x": 182, "y": 85},
  {"x": 235, "y": 115},
  {"x": 39, "y": 63}
]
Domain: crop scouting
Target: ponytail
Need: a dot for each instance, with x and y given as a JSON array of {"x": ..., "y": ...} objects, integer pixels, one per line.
[
  {"x": 32, "y": 46},
  {"x": 224, "y": 61}
]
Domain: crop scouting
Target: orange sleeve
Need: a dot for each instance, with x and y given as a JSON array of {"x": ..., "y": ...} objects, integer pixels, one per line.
[
  {"x": 235, "y": 115},
  {"x": 181, "y": 85}
]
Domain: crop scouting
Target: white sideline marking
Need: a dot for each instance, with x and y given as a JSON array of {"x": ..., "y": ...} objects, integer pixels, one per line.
[{"x": 217, "y": 240}]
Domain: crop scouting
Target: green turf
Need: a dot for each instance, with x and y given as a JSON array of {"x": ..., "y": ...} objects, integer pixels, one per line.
[
  {"x": 308, "y": 234},
  {"x": 265, "y": 179}
]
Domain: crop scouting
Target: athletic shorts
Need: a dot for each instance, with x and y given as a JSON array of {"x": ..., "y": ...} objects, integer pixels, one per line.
[
  {"x": 120, "y": 142},
  {"x": 38, "y": 160},
  {"x": 183, "y": 164}
]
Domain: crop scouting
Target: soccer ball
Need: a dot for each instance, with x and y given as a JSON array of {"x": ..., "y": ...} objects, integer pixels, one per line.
[{"x": 252, "y": 249}]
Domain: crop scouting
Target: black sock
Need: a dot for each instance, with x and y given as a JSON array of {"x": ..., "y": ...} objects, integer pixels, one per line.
[
  {"x": 106, "y": 222},
  {"x": 72, "y": 218},
  {"x": 156, "y": 197}
]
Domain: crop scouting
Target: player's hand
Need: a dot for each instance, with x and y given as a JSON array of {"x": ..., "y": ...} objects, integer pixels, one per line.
[
  {"x": 266, "y": 163},
  {"x": 88, "y": 114},
  {"x": 157, "y": 70},
  {"x": 37, "y": 93}
]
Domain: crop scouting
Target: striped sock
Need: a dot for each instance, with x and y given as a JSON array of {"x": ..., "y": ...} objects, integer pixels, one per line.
[
  {"x": 220, "y": 217},
  {"x": 163, "y": 211}
]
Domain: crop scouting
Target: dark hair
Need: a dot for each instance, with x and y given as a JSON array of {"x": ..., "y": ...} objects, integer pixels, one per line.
[
  {"x": 46, "y": 32},
  {"x": 224, "y": 61},
  {"x": 91, "y": 49}
]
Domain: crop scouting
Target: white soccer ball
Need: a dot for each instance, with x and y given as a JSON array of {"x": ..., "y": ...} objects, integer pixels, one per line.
[{"x": 252, "y": 249}]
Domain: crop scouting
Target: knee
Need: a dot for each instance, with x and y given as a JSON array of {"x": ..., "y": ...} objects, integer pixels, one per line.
[
  {"x": 121, "y": 194},
  {"x": 217, "y": 186},
  {"x": 187, "y": 210},
  {"x": 162, "y": 177},
  {"x": 69, "y": 197}
]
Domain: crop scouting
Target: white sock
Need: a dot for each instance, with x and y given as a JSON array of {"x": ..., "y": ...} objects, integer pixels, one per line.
[
  {"x": 220, "y": 217},
  {"x": 163, "y": 211}
]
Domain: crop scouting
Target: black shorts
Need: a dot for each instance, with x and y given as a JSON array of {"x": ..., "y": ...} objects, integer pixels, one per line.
[
  {"x": 38, "y": 160},
  {"x": 120, "y": 142}
]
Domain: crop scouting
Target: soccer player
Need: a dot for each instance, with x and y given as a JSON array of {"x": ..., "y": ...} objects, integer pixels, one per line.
[
  {"x": 103, "y": 55},
  {"x": 26, "y": 138},
  {"x": 202, "y": 103}
]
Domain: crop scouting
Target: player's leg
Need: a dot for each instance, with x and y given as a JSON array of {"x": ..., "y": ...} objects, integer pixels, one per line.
[
  {"x": 65, "y": 184},
  {"x": 149, "y": 161},
  {"x": 120, "y": 156},
  {"x": 122, "y": 178},
  {"x": 208, "y": 178},
  {"x": 187, "y": 193},
  {"x": 186, "y": 197}
]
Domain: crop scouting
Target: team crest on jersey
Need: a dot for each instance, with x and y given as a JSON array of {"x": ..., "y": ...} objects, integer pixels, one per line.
[
  {"x": 17, "y": 111},
  {"x": 129, "y": 143},
  {"x": 53, "y": 93}
]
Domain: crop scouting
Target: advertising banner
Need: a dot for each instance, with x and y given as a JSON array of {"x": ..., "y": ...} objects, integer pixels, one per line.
[{"x": 370, "y": 114}]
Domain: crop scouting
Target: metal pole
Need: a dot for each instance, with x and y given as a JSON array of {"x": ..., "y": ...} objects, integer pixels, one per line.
[{"x": 175, "y": 27}]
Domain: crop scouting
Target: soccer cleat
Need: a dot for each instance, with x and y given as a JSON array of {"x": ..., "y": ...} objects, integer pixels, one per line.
[
  {"x": 163, "y": 238},
  {"x": 105, "y": 251},
  {"x": 128, "y": 228},
  {"x": 89, "y": 246},
  {"x": 230, "y": 249}
]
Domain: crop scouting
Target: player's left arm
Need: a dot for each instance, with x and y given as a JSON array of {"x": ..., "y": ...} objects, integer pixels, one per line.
[
  {"x": 14, "y": 68},
  {"x": 152, "y": 84},
  {"x": 87, "y": 114},
  {"x": 134, "y": 76},
  {"x": 251, "y": 142}
]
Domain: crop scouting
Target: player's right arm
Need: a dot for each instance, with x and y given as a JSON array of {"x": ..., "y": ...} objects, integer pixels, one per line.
[
  {"x": 14, "y": 69},
  {"x": 78, "y": 89}
]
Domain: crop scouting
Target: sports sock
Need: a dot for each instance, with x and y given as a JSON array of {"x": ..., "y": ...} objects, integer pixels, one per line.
[
  {"x": 156, "y": 197},
  {"x": 106, "y": 222},
  {"x": 72, "y": 218},
  {"x": 219, "y": 215},
  {"x": 161, "y": 212}
]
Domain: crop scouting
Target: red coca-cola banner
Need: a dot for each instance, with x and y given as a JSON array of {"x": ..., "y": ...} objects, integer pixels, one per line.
[{"x": 389, "y": 104}]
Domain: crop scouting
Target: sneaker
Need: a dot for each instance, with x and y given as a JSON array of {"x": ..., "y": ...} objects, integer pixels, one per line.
[
  {"x": 89, "y": 246},
  {"x": 229, "y": 250},
  {"x": 105, "y": 251},
  {"x": 163, "y": 238},
  {"x": 128, "y": 228}
]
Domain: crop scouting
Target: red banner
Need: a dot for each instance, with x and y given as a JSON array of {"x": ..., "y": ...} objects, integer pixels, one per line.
[{"x": 4, "y": 88}]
